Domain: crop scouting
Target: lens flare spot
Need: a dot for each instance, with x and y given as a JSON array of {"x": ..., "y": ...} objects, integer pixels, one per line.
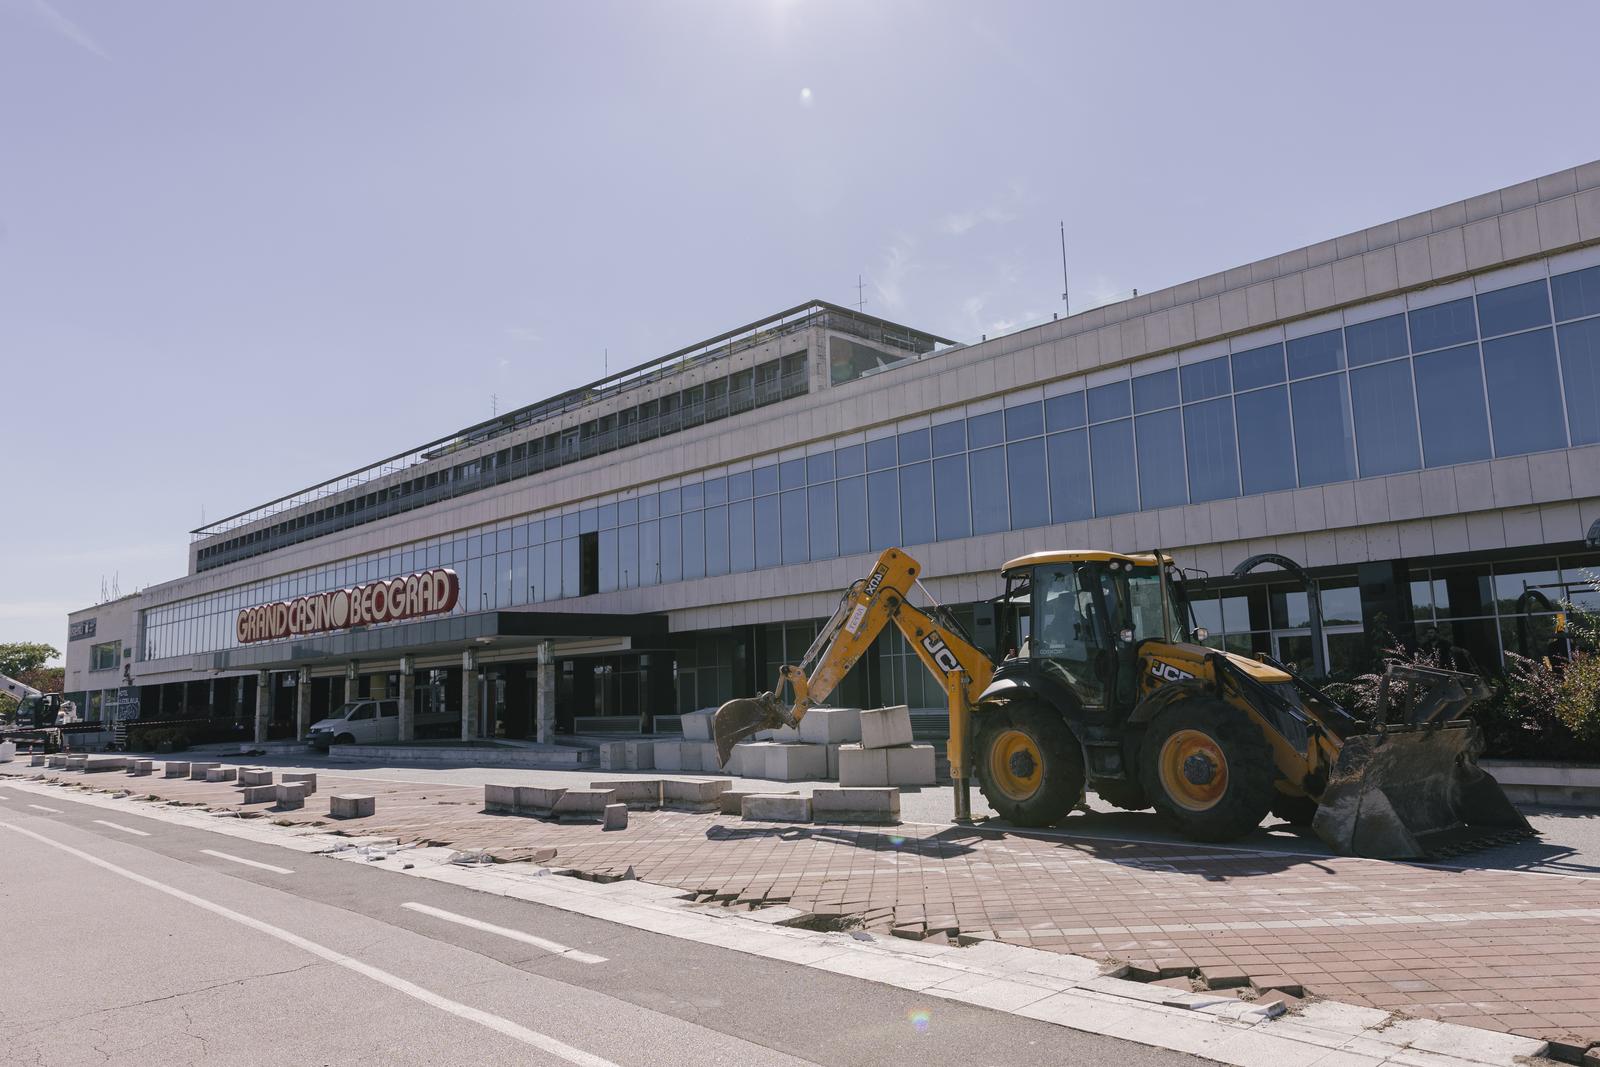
[
  {"x": 920, "y": 1018},
  {"x": 896, "y": 840}
]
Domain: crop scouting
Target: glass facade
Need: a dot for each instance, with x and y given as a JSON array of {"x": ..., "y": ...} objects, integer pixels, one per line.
[{"x": 1506, "y": 372}]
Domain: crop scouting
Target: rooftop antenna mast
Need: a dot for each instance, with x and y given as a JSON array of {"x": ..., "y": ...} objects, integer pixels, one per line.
[
  {"x": 1064, "y": 290},
  {"x": 494, "y": 404},
  {"x": 861, "y": 294}
]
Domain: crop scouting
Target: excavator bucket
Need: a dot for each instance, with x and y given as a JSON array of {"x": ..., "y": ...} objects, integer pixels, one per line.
[
  {"x": 1412, "y": 792},
  {"x": 738, "y": 719}
]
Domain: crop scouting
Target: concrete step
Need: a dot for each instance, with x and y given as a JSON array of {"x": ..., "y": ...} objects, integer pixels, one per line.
[{"x": 536, "y": 757}]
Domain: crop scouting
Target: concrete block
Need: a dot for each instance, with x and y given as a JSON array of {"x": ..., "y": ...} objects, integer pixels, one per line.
[
  {"x": 708, "y": 755},
  {"x": 290, "y": 794},
  {"x": 76, "y": 761},
  {"x": 686, "y": 794},
  {"x": 824, "y": 726},
  {"x": 37, "y": 759},
  {"x": 863, "y": 766},
  {"x": 732, "y": 802},
  {"x": 254, "y": 776},
  {"x": 886, "y": 727},
  {"x": 197, "y": 771},
  {"x": 583, "y": 804},
  {"x": 537, "y": 799},
  {"x": 776, "y": 807},
  {"x": 259, "y": 794},
  {"x": 639, "y": 755},
  {"x": 8, "y": 751},
  {"x": 749, "y": 759},
  {"x": 500, "y": 799},
  {"x": 175, "y": 769},
  {"x": 59, "y": 759},
  {"x": 104, "y": 763},
  {"x": 638, "y": 795},
  {"x": 911, "y": 765},
  {"x": 669, "y": 755},
  {"x": 615, "y": 818},
  {"x": 351, "y": 805},
  {"x": 141, "y": 767},
  {"x": 879, "y": 806},
  {"x": 833, "y": 762},
  {"x": 613, "y": 755},
  {"x": 222, "y": 774},
  {"x": 697, "y": 724},
  {"x": 306, "y": 778},
  {"x": 796, "y": 763},
  {"x": 782, "y": 733}
]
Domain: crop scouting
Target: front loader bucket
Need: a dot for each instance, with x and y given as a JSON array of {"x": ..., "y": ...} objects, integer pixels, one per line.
[
  {"x": 1409, "y": 792},
  {"x": 738, "y": 719}
]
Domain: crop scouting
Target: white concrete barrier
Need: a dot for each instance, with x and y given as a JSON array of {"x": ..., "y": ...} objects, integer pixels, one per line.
[
  {"x": 8, "y": 751},
  {"x": 639, "y": 755},
  {"x": 175, "y": 769},
  {"x": 886, "y": 727},
  {"x": 877, "y": 806},
  {"x": 640, "y": 795},
  {"x": 351, "y": 805},
  {"x": 911, "y": 765},
  {"x": 690, "y": 795},
  {"x": 616, "y": 817},
  {"x": 305, "y": 778},
  {"x": 500, "y": 799},
  {"x": 197, "y": 771},
  {"x": 796, "y": 763},
  {"x": 222, "y": 774},
  {"x": 258, "y": 794},
  {"x": 255, "y": 776},
  {"x": 697, "y": 724},
  {"x": 583, "y": 805},
  {"x": 291, "y": 794},
  {"x": 825, "y": 726},
  {"x": 732, "y": 802},
  {"x": 537, "y": 799},
  {"x": 776, "y": 807},
  {"x": 860, "y": 766}
]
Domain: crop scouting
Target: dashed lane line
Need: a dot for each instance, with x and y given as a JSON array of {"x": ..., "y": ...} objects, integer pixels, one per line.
[
  {"x": 41, "y": 807},
  {"x": 555, "y": 947},
  {"x": 124, "y": 829},
  {"x": 515, "y": 1031},
  {"x": 248, "y": 863}
]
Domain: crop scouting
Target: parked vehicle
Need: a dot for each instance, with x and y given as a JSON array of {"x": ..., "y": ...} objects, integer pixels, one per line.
[{"x": 373, "y": 722}]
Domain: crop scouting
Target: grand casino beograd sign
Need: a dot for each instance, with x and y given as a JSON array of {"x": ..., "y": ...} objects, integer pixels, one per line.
[{"x": 431, "y": 592}]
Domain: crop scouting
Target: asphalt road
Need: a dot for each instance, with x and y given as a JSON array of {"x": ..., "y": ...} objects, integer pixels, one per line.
[{"x": 127, "y": 942}]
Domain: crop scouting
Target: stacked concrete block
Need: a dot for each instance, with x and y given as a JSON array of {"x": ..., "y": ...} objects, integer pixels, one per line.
[
  {"x": 613, "y": 755},
  {"x": 636, "y": 794},
  {"x": 886, "y": 755},
  {"x": 222, "y": 774},
  {"x": 197, "y": 771},
  {"x": 254, "y": 776},
  {"x": 880, "y": 806},
  {"x": 782, "y": 733},
  {"x": 749, "y": 759},
  {"x": 351, "y": 805},
  {"x": 175, "y": 769},
  {"x": 911, "y": 765},
  {"x": 796, "y": 763},
  {"x": 886, "y": 727},
  {"x": 639, "y": 755},
  {"x": 860, "y": 766},
  {"x": 775, "y": 807},
  {"x": 258, "y": 794},
  {"x": 693, "y": 795},
  {"x": 697, "y": 724},
  {"x": 829, "y": 726},
  {"x": 290, "y": 795},
  {"x": 669, "y": 756},
  {"x": 305, "y": 778}
]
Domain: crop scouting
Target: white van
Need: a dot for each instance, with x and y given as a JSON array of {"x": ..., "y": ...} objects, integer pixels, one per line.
[{"x": 372, "y": 722}]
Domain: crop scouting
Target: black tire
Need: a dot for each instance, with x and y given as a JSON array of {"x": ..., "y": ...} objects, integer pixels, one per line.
[
  {"x": 1248, "y": 771},
  {"x": 1047, "y": 792},
  {"x": 345, "y": 739},
  {"x": 1296, "y": 811},
  {"x": 1124, "y": 793}
]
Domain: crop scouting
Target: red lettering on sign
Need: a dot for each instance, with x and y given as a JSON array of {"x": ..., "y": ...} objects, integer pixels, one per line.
[{"x": 432, "y": 592}]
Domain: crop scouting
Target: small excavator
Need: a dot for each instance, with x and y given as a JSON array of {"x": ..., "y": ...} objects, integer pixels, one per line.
[{"x": 1106, "y": 685}]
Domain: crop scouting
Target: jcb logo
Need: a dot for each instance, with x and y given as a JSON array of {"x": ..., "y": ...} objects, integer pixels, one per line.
[
  {"x": 941, "y": 653},
  {"x": 1167, "y": 672},
  {"x": 874, "y": 580}
]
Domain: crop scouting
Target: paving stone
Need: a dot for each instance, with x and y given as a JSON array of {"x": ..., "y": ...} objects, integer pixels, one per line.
[
  {"x": 255, "y": 776},
  {"x": 886, "y": 727},
  {"x": 307, "y": 778},
  {"x": 1276, "y": 983},
  {"x": 697, "y": 724},
  {"x": 863, "y": 766},
  {"x": 222, "y": 774},
  {"x": 639, "y": 755},
  {"x": 291, "y": 795},
  {"x": 856, "y": 805},
  {"x": 616, "y": 817},
  {"x": 501, "y": 799},
  {"x": 911, "y": 765},
  {"x": 197, "y": 771},
  {"x": 258, "y": 794},
  {"x": 689, "y": 794},
  {"x": 732, "y": 801},
  {"x": 828, "y": 726},
  {"x": 796, "y": 763},
  {"x": 775, "y": 807},
  {"x": 352, "y": 805},
  {"x": 175, "y": 769},
  {"x": 636, "y": 794}
]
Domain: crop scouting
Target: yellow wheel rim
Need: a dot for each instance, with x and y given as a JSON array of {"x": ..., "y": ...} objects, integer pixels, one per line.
[
  {"x": 1016, "y": 766},
  {"x": 1194, "y": 772}
]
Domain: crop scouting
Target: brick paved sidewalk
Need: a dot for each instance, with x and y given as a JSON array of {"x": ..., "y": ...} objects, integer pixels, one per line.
[{"x": 1504, "y": 950}]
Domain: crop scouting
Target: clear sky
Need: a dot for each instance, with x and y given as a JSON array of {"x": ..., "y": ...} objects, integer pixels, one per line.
[{"x": 245, "y": 246}]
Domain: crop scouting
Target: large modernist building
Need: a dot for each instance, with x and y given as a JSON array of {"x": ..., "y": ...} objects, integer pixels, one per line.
[{"x": 1411, "y": 412}]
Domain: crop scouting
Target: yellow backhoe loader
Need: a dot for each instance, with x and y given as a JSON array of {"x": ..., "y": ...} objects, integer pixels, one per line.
[{"x": 1105, "y": 685}]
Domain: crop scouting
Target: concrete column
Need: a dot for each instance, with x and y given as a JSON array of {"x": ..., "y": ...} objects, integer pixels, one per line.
[
  {"x": 408, "y": 712},
  {"x": 263, "y": 704},
  {"x": 545, "y": 701},
  {"x": 469, "y": 694},
  {"x": 352, "y": 679},
  {"x": 302, "y": 703},
  {"x": 211, "y": 697}
]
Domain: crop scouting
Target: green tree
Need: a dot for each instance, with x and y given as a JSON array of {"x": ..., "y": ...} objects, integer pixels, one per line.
[{"x": 25, "y": 661}]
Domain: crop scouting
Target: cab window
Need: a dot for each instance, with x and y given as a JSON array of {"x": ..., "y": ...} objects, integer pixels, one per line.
[
  {"x": 1067, "y": 631},
  {"x": 365, "y": 711},
  {"x": 389, "y": 708}
]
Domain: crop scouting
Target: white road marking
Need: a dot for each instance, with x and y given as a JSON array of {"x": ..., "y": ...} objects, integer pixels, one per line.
[
  {"x": 124, "y": 829},
  {"x": 516, "y": 935},
  {"x": 247, "y": 863},
  {"x": 496, "y": 1023},
  {"x": 41, "y": 807}
]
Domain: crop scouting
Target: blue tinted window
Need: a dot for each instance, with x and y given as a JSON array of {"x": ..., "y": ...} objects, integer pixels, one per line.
[
  {"x": 739, "y": 485},
  {"x": 671, "y": 501},
  {"x": 1160, "y": 443},
  {"x": 1371, "y": 342},
  {"x": 716, "y": 491},
  {"x": 1317, "y": 354},
  {"x": 819, "y": 468},
  {"x": 852, "y": 516},
  {"x": 1208, "y": 442},
  {"x": 1521, "y": 307},
  {"x": 1024, "y": 420},
  {"x": 766, "y": 480},
  {"x": 717, "y": 540},
  {"x": 1070, "y": 496},
  {"x": 1580, "y": 373},
  {"x": 916, "y": 504},
  {"x": 1323, "y": 447},
  {"x": 1153, "y": 391},
  {"x": 792, "y": 505},
  {"x": 1455, "y": 427},
  {"x": 769, "y": 533},
  {"x": 694, "y": 544},
  {"x": 1266, "y": 453},
  {"x": 985, "y": 430},
  {"x": 883, "y": 509},
  {"x": 881, "y": 454},
  {"x": 741, "y": 537},
  {"x": 1385, "y": 418},
  {"x": 1202, "y": 381},
  {"x": 1524, "y": 393},
  {"x": 1116, "y": 480},
  {"x": 1064, "y": 412},
  {"x": 1576, "y": 294},
  {"x": 627, "y": 515},
  {"x": 852, "y": 459},
  {"x": 951, "y": 514},
  {"x": 990, "y": 511},
  {"x": 792, "y": 474},
  {"x": 671, "y": 562},
  {"x": 1257, "y": 367},
  {"x": 1030, "y": 502},
  {"x": 694, "y": 498},
  {"x": 950, "y": 438},
  {"x": 1110, "y": 402},
  {"x": 608, "y": 518},
  {"x": 1443, "y": 324},
  {"x": 823, "y": 520},
  {"x": 913, "y": 446}
]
